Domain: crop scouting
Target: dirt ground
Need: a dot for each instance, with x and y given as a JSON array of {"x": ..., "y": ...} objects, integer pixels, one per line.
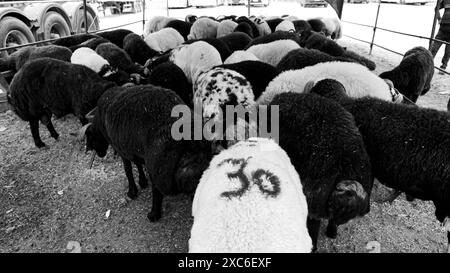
[{"x": 50, "y": 197}]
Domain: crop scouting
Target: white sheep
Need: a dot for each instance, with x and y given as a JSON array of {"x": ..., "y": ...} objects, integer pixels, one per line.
[
  {"x": 203, "y": 28},
  {"x": 226, "y": 27},
  {"x": 164, "y": 39},
  {"x": 357, "y": 80},
  {"x": 273, "y": 52},
  {"x": 89, "y": 58},
  {"x": 250, "y": 199},
  {"x": 156, "y": 23},
  {"x": 333, "y": 26},
  {"x": 240, "y": 56},
  {"x": 195, "y": 58},
  {"x": 262, "y": 26},
  {"x": 286, "y": 25}
]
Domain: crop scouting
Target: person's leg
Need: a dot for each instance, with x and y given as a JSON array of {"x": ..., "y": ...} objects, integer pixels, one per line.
[{"x": 436, "y": 45}]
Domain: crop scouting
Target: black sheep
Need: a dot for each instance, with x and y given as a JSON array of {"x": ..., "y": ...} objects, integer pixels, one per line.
[
  {"x": 273, "y": 23},
  {"x": 409, "y": 147},
  {"x": 118, "y": 58},
  {"x": 181, "y": 26},
  {"x": 302, "y": 57},
  {"x": 48, "y": 86},
  {"x": 243, "y": 19},
  {"x": 137, "y": 49},
  {"x": 137, "y": 123},
  {"x": 115, "y": 36},
  {"x": 259, "y": 74},
  {"x": 218, "y": 44},
  {"x": 412, "y": 77},
  {"x": 74, "y": 40},
  {"x": 301, "y": 25},
  {"x": 328, "y": 152},
  {"x": 246, "y": 28},
  {"x": 275, "y": 36},
  {"x": 236, "y": 40},
  {"x": 312, "y": 40},
  {"x": 169, "y": 75},
  {"x": 91, "y": 43}
]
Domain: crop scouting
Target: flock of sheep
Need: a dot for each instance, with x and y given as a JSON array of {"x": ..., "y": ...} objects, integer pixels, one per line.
[{"x": 340, "y": 125}]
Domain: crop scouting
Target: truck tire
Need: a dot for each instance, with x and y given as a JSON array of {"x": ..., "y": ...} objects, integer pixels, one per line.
[
  {"x": 13, "y": 32},
  {"x": 81, "y": 25},
  {"x": 55, "y": 26}
]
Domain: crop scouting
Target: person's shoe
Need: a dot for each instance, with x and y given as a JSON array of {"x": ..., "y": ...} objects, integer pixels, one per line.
[{"x": 443, "y": 67}]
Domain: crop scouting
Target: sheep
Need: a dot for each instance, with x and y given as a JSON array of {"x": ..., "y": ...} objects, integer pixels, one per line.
[
  {"x": 91, "y": 43},
  {"x": 273, "y": 23},
  {"x": 240, "y": 56},
  {"x": 285, "y": 26},
  {"x": 195, "y": 58},
  {"x": 203, "y": 28},
  {"x": 181, "y": 26},
  {"x": 219, "y": 87},
  {"x": 236, "y": 40},
  {"x": 265, "y": 211},
  {"x": 262, "y": 25},
  {"x": 137, "y": 123},
  {"x": 246, "y": 28},
  {"x": 47, "y": 86},
  {"x": 273, "y": 52},
  {"x": 221, "y": 46},
  {"x": 156, "y": 23},
  {"x": 254, "y": 28},
  {"x": 407, "y": 145},
  {"x": 259, "y": 74},
  {"x": 301, "y": 25},
  {"x": 311, "y": 40},
  {"x": 190, "y": 18},
  {"x": 226, "y": 27},
  {"x": 277, "y": 35},
  {"x": 118, "y": 58},
  {"x": 115, "y": 36},
  {"x": 290, "y": 18},
  {"x": 89, "y": 58},
  {"x": 137, "y": 49},
  {"x": 168, "y": 75},
  {"x": 333, "y": 27},
  {"x": 17, "y": 59},
  {"x": 302, "y": 57},
  {"x": 412, "y": 77},
  {"x": 357, "y": 79},
  {"x": 317, "y": 25},
  {"x": 226, "y": 17},
  {"x": 74, "y": 40},
  {"x": 328, "y": 152},
  {"x": 164, "y": 39}
]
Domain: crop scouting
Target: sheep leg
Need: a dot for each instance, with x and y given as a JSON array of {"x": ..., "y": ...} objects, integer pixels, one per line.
[
  {"x": 52, "y": 130},
  {"x": 313, "y": 226},
  {"x": 142, "y": 179},
  {"x": 34, "y": 127},
  {"x": 132, "y": 189},
  {"x": 448, "y": 241},
  {"x": 157, "y": 198},
  {"x": 331, "y": 229}
]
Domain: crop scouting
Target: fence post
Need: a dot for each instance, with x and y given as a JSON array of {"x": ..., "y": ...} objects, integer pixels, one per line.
[
  {"x": 143, "y": 16},
  {"x": 248, "y": 8},
  {"x": 167, "y": 8},
  {"x": 86, "y": 27},
  {"x": 433, "y": 29},
  {"x": 375, "y": 27}
]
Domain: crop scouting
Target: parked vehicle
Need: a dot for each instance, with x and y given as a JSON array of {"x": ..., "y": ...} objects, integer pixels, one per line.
[
  {"x": 313, "y": 3},
  {"x": 178, "y": 4},
  {"x": 421, "y": 2},
  {"x": 358, "y": 1},
  {"x": 255, "y": 3},
  {"x": 206, "y": 3}
]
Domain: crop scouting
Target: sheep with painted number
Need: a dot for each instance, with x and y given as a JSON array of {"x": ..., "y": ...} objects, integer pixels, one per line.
[
  {"x": 137, "y": 123},
  {"x": 203, "y": 28},
  {"x": 412, "y": 77},
  {"x": 357, "y": 79},
  {"x": 262, "y": 25},
  {"x": 408, "y": 146},
  {"x": 250, "y": 199},
  {"x": 164, "y": 39},
  {"x": 273, "y": 52},
  {"x": 89, "y": 58},
  {"x": 44, "y": 87},
  {"x": 327, "y": 150}
]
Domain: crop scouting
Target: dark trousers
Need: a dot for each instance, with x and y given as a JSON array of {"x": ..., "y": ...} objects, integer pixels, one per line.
[{"x": 443, "y": 35}]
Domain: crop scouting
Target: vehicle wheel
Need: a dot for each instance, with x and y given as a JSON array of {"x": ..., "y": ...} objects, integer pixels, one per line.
[
  {"x": 13, "y": 32},
  {"x": 81, "y": 26},
  {"x": 55, "y": 26}
]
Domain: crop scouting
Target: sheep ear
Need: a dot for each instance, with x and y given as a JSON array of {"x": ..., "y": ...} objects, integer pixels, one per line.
[
  {"x": 82, "y": 132},
  {"x": 308, "y": 86}
]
